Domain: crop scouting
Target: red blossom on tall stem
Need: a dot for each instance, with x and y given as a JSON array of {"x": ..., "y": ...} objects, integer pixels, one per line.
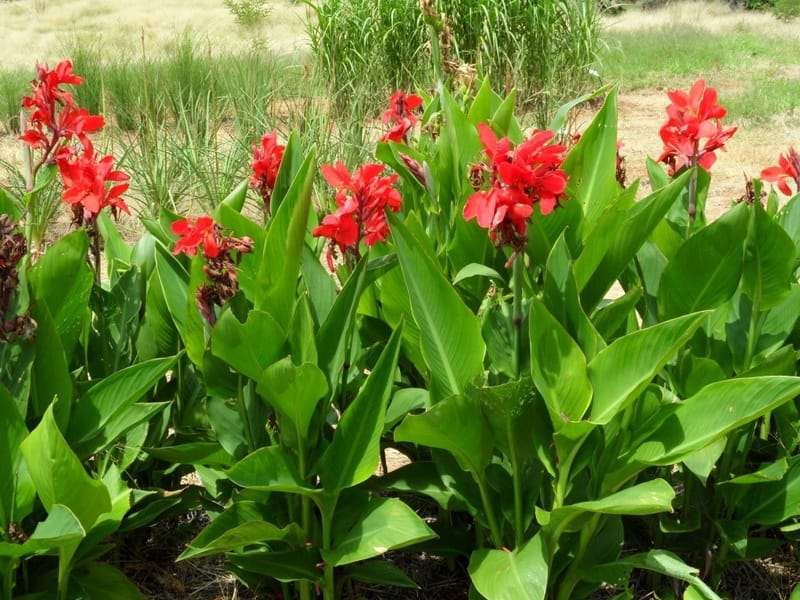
[
  {"x": 220, "y": 265},
  {"x": 693, "y": 131},
  {"x": 85, "y": 178},
  {"x": 521, "y": 177},
  {"x": 362, "y": 199},
  {"x": 266, "y": 162},
  {"x": 401, "y": 114},
  {"x": 54, "y": 119},
  {"x": 787, "y": 169}
]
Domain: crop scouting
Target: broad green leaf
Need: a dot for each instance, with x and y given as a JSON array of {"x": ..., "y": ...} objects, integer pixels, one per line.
[
  {"x": 478, "y": 270},
  {"x": 421, "y": 477},
  {"x": 234, "y": 200},
  {"x": 334, "y": 333},
  {"x": 353, "y": 454},
  {"x": 769, "y": 260},
  {"x": 518, "y": 575},
  {"x": 778, "y": 324},
  {"x": 387, "y": 524},
  {"x": 50, "y": 376},
  {"x": 101, "y": 581},
  {"x": 109, "y": 399},
  {"x": 560, "y": 118},
  {"x": 279, "y": 268},
  {"x": 642, "y": 218},
  {"x": 271, "y": 468},
  {"x": 620, "y": 372},
  {"x": 659, "y": 561},
  {"x": 61, "y": 529},
  {"x": 174, "y": 282},
  {"x": 774, "y": 471},
  {"x": 451, "y": 336},
  {"x": 248, "y": 347},
  {"x": 609, "y": 318},
  {"x": 404, "y": 401},
  {"x": 302, "y": 329},
  {"x": 563, "y": 302},
  {"x": 201, "y": 453},
  {"x": 647, "y": 498},
  {"x": 702, "y": 462},
  {"x": 16, "y": 489},
  {"x": 380, "y": 572},
  {"x": 295, "y": 393},
  {"x": 59, "y": 476},
  {"x": 591, "y": 165},
  {"x": 243, "y": 524},
  {"x": 135, "y": 414},
  {"x": 558, "y": 367},
  {"x": 706, "y": 269},
  {"x": 62, "y": 281},
  {"x": 294, "y": 565},
  {"x": 772, "y": 502},
  {"x": 290, "y": 165},
  {"x": 456, "y": 425},
  {"x": 117, "y": 251},
  {"x": 10, "y": 204},
  {"x": 722, "y": 406}
]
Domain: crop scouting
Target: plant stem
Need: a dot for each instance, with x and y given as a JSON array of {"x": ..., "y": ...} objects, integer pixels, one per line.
[
  {"x": 328, "y": 589},
  {"x": 494, "y": 529},
  {"x": 692, "y": 195},
  {"x": 305, "y": 516},
  {"x": 516, "y": 477},
  {"x": 571, "y": 577},
  {"x": 242, "y": 408},
  {"x": 516, "y": 314}
]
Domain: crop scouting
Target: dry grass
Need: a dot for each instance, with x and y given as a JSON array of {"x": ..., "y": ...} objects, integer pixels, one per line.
[
  {"x": 43, "y": 29},
  {"x": 714, "y": 17}
]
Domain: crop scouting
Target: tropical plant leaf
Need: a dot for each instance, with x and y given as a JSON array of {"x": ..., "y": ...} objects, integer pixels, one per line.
[{"x": 518, "y": 575}]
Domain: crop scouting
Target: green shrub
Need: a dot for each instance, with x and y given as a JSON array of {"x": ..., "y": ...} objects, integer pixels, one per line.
[{"x": 248, "y": 12}]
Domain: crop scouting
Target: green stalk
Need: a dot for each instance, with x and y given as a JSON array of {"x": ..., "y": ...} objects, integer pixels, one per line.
[
  {"x": 516, "y": 477},
  {"x": 305, "y": 518},
  {"x": 692, "y": 195},
  {"x": 494, "y": 529},
  {"x": 516, "y": 316},
  {"x": 328, "y": 589},
  {"x": 242, "y": 408},
  {"x": 8, "y": 582},
  {"x": 571, "y": 577}
]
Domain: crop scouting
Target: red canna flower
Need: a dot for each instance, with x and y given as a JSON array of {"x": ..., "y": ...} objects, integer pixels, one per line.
[
  {"x": 520, "y": 177},
  {"x": 693, "y": 131},
  {"x": 203, "y": 231},
  {"x": 54, "y": 117},
  {"x": 787, "y": 169},
  {"x": 85, "y": 179},
  {"x": 266, "y": 162},
  {"x": 361, "y": 200},
  {"x": 401, "y": 113}
]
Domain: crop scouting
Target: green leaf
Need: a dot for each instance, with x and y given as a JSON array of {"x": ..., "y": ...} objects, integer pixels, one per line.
[
  {"x": 61, "y": 529},
  {"x": 380, "y": 572},
  {"x": 234, "y": 200},
  {"x": 174, "y": 283},
  {"x": 50, "y": 376},
  {"x": 294, "y": 392},
  {"x": 272, "y": 469},
  {"x": 386, "y": 524},
  {"x": 294, "y": 565},
  {"x": 353, "y": 454},
  {"x": 647, "y": 498},
  {"x": 620, "y": 373},
  {"x": 641, "y": 220},
  {"x": 518, "y": 575},
  {"x": 609, "y": 318},
  {"x": 724, "y": 406},
  {"x": 279, "y": 268},
  {"x": 478, "y": 270},
  {"x": 108, "y": 400},
  {"x": 769, "y": 260},
  {"x": 451, "y": 335},
  {"x": 248, "y": 347},
  {"x": 62, "y": 281},
  {"x": 664, "y": 562},
  {"x": 772, "y": 502},
  {"x": 558, "y": 367},
  {"x": 456, "y": 425},
  {"x": 16, "y": 489},
  {"x": 335, "y": 331},
  {"x": 243, "y": 524},
  {"x": 706, "y": 269},
  {"x": 117, "y": 251},
  {"x": 404, "y": 401},
  {"x": 591, "y": 165},
  {"x": 59, "y": 476},
  {"x": 193, "y": 453},
  {"x": 101, "y": 581}
]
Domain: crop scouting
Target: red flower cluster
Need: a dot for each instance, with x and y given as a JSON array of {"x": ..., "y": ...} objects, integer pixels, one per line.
[
  {"x": 266, "y": 163},
  {"x": 520, "y": 177},
  {"x": 54, "y": 121},
  {"x": 788, "y": 168},
  {"x": 220, "y": 267},
  {"x": 85, "y": 179},
  {"x": 361, "y": 199},
  {"x": 401, "y": 113},
  {"x": 693, "y": 117},
  {"x": 54, "y": 117}
]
